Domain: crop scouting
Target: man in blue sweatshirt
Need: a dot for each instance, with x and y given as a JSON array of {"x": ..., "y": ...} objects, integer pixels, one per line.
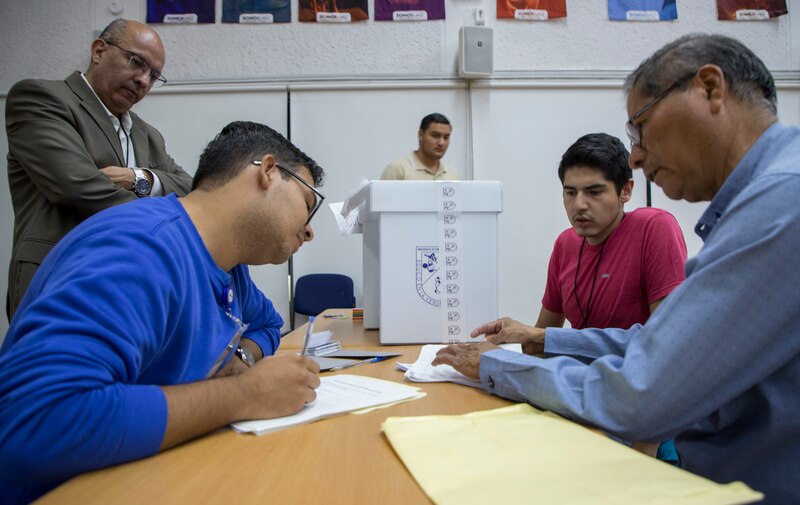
[{"x": 142, "y": 329}]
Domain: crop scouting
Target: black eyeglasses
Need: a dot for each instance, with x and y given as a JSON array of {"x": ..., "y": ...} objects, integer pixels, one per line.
[
  {"x": 139, "y": 65},
  {"x": 635, "y": 131},
  {"x": 318, "y": 197}
]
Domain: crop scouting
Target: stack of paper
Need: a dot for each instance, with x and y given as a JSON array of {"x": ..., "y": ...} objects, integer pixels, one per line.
[
  {"x": 336, "y": 395},
  {"x": 518, "y": 454},
  {"x": 319, "y": 338},
  {"x": 422, "y": 370},
  {"x": 323, "y": 349}
]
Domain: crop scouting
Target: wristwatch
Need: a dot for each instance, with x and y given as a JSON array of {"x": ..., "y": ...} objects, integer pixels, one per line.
[
  {"x": 246, "y": 356},
  {"x": 141, "y": 185}
]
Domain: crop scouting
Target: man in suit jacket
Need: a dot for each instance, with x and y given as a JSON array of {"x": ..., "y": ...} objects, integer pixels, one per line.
[{"x": 76, "y": 149}]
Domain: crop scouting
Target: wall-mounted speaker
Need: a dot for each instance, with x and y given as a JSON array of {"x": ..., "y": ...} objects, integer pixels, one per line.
[{"x": 476, "y": 52}]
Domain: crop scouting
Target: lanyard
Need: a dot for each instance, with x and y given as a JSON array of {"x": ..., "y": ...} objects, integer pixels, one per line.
[{"x": 227, "y": 301}]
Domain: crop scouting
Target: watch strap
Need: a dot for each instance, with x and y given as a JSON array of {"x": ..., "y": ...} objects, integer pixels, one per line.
[{"x": 245, "y": 355}]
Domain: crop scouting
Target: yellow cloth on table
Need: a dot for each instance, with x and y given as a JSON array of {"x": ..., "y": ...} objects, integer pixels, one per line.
[{"x": 519, "y": 454}]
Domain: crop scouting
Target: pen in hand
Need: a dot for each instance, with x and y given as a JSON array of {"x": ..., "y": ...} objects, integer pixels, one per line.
[{"x": 309, "y": 330}]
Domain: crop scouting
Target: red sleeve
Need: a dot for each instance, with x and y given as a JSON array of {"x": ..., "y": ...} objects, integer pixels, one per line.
[
  {"x": 664, "y": 258},
  {"x": 552, "y": 299}
]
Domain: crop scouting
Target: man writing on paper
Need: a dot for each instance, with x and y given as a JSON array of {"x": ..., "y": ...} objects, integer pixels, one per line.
[
  {"x": 717, "y": 366},
  {"x": 74, "y": 147},
  {"x": 103, "y": 365},
  {"x": 425, "y": 164}
]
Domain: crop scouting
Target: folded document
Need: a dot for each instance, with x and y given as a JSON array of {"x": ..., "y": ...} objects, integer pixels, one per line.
[
  {"x": 530, "y": 456},
  {"x": 422, "y": 370}
]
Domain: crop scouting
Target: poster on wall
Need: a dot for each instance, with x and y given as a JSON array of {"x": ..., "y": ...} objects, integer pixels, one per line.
[
  {"x": 180, "y": 11},
  {"x": 642, "y": 10},
  {"x": 256, "y": 11},
  {"x": 750, "y": 10},
  {"x": 531, "y": 10},
  {"x": 408, "y": 10},
  {"x": 333, "y": 11}
]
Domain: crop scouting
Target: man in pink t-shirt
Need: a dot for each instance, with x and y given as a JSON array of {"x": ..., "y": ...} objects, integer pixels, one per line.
[{"x": 612, "y": 268}]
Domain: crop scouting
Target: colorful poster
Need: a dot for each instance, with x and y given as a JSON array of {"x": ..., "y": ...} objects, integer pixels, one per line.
[
  {"x": 531, "y": 10},
  {"x": 180, "y": 11},
  {"x": 642, "y": 10},
  {"x": 408, "y": 10},
  {"x": 256, "y": 11},
  {"x": 750, "y": 10},
  {"x": 333, "y": 11}
]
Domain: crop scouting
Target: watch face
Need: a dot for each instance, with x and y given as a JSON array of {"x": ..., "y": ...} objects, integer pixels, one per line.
[{"x": 142, "y": 186}]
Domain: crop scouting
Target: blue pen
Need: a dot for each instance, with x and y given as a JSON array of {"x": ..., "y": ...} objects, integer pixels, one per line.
[{"x": 309, "y": 329}]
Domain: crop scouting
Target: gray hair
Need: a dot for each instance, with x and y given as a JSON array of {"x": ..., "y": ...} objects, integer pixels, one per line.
[
  {"x": 114, "y": 31},
  {"x": 745, "y": 73}
]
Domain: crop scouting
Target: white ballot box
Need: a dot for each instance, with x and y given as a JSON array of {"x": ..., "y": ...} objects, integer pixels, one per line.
[{"x": 430, "y": 259}]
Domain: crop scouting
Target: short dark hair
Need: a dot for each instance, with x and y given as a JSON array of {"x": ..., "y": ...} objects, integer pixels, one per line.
[
  {"x": 114, "y": 31},
  {"x": 602, "y": 152},
  {"x": 745, "y": 73},
  {"x": 238, "y": 145},
  {"x": 433, "y": 118}
]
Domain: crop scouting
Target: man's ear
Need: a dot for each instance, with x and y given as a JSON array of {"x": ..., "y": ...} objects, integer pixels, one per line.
[
  {"x": 420, "y": 134},
  {"x": 712, "y": 78},
  {"x": 627, "y": 192},
  {"x": 98, "y": 47},
  {"x": 267, "y": 171}
]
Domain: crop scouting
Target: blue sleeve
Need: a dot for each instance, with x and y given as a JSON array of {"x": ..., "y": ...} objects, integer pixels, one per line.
[
  {"x": 590, "y": 343},
  {"x": 730, "y": 325},
  {"x": 69, "y": 397},
  {"x": 258, "y": 312}
]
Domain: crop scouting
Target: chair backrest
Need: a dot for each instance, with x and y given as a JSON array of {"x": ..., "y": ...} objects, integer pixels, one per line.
[{"x": 317, "y": 292}]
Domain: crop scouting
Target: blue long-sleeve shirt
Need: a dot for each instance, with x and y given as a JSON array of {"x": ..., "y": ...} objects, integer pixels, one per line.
[
  {"x": 717, "y": 366},
  {"x": 129, "y": 301}
]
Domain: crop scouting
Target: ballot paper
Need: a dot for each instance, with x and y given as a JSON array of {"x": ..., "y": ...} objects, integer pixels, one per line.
[
  {"x": 519, "y": 454},
  {"x": 422, "y": 370},
  {"x": 336, "y": 395},
  {"x": 350, "y": 213},
  {"x": 319, "y": 339}
]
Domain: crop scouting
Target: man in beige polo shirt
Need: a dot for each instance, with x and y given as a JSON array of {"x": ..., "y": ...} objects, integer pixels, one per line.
[{"x": 425, "y": 163}]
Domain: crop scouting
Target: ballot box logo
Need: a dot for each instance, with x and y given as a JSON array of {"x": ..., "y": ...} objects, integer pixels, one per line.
[{"x": 429, "y": 275}]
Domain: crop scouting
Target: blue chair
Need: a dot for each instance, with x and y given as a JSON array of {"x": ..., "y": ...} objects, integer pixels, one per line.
[{"x": 315, "y": 293}]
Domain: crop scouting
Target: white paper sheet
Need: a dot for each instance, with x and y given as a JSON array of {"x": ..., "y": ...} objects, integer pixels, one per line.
[{"x": 336, "y": 395}]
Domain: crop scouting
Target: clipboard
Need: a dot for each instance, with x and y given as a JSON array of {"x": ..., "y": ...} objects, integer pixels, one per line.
[{"x": 346, "y": 358}]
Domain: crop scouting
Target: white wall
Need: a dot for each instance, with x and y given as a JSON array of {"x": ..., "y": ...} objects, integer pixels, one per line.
[
  {"x": 554, "y": 82},
  {"x": 48, "y": 39}
]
